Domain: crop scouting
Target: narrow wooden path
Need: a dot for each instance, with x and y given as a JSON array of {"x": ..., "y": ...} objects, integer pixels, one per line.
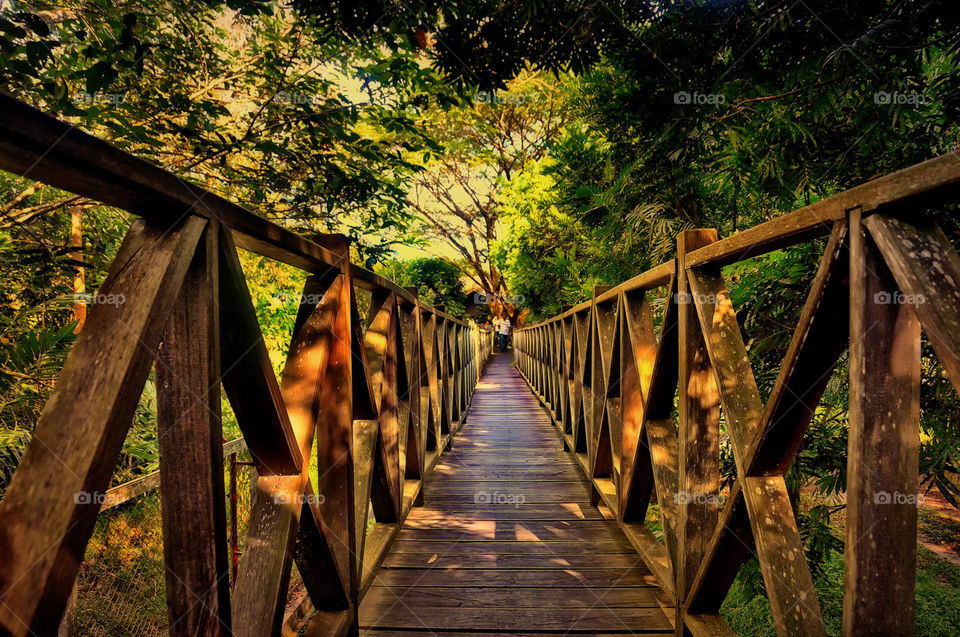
[{"x": 507, "y": 541}]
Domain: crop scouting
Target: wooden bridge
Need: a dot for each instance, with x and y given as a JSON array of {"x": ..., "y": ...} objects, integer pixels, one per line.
[
  {"x": 410, "y": 502},
  {"x": 508, "y": 540}
]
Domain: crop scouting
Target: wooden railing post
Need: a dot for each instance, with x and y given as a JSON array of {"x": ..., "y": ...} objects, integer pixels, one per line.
[
  {"x": 698, "y": 473},
  {"x": 883, "y": 460},
  {"x": 191, "y": 455},
  {"x": 50, "y": 507}
]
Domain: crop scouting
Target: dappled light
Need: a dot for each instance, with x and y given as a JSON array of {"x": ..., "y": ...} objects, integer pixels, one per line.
[{"x": 479, "y": 318}]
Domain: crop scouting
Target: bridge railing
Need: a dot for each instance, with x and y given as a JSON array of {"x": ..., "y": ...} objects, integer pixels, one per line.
[
  {"x": 341, "y": 442},
  {"x": 611, "y": 382}
]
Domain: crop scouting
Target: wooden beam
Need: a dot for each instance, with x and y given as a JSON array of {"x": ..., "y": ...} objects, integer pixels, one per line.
[
  {"x": 793, "y": 599},
  {"x": 813, "y": 351},
  {"x": 279, "y": 501},
  {"x": 248, "y": 376},
  {"x": 883, "y": 459},
  {"x": 189, "y": 432},
  {"x": 927, "y": 270},
  {"x": 937, "y": 176},
  {"x": 818, "y": 341},
  {"x": 38, "y": 146},
  {"x": 49, "y": 509},
  {"x": 638, "y": 354},
  {"x": 698, "y": 437}
]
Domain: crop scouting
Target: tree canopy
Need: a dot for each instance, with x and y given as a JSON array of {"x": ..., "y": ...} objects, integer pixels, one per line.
[{"x": 530, "y": 150}]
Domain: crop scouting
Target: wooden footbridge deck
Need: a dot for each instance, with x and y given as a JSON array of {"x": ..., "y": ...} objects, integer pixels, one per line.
[
  {"x": 537, "y": 519},
  {"x": 507, "y": 540}
]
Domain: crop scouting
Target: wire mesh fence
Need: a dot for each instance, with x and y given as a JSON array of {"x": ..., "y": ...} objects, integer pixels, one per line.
[{"x": 120, "y": 589}]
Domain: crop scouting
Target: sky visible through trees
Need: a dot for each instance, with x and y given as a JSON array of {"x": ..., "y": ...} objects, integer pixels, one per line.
[{"x": 523, "y": 150}]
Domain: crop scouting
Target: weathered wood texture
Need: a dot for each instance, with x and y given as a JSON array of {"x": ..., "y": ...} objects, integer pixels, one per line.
[
  {"x": 346, "y": 393},
  {"x": 191, "y": 458},
  {"x": 377, "y": 404},
  {"x": 886, "y": 276},
  {"x": 485, "y": 554},
  {"x": 51, "y": 505}
]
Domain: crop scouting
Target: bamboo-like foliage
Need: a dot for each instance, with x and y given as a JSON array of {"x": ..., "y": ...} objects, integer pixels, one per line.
[{"x": 641, "y": 411}]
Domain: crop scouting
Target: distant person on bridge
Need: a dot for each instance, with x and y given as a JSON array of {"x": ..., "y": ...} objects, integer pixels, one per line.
[{"x": 503, "y": 331}]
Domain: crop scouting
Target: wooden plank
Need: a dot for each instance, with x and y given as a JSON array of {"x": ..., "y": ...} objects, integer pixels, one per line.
[
  {"x": 818, "y": 341},
  {"x": 659, "y": 427},
  {"x": 49, "y": 509},
  {"x": 638, "y": 357},
  {"x": 380, "y": 341},
  {"x": 335, "y": 439},
  {"x": 323, "y": 574},
  {"x": 526, "y": 546},
  {"x": 883, "y": 459},
  {"x": 816, "y": 345},
  {"x": 560, "y": 513},
  {"x": 512, "y": 578},
  {"x": 937, "y": 177},
  {"x": 40, "y": 147},
  {"x": 927, "y": 270},
  {"x": 698, "y": 436},
  {"x": 279, "y": 501},
  {"x": 634, "y": 620},
  {"x": 248, "y": 376},
  {"x": 489, "y": 561},
  {"x": 732, "y": 544},
  {"x": 792, "y": 597},
  {"x": 559, "y": 633},
  {"x": 601, "y": 450},
  {"x": 586, "y": 530},
  {"x": 129, "y": 490},
  {"x": 706, "y": 625},
  {"x": 263, "y": 575},
  {"x": 383, "y": 597},
  {"x": 477, "y": 546},
  {"x": 189, "y": 432}
]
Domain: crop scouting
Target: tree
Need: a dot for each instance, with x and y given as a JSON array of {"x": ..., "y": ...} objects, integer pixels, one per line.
[
  {"x": 306, "y": 131},
  {"x": 485, "y": 144},
  {"x": 725, "y": 115},
  {"x": 437, "y": 281}
]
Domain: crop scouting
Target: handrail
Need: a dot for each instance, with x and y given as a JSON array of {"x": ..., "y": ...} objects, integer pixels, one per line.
[
  {"x": 375, "y": 403},
  {"x": 615, "y": 388},
  {"x": 39, "y": 146},
  {"x": 939, "y": 176}
]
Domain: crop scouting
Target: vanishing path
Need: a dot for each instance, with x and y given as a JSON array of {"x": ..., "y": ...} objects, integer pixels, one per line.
[{"x": 507, "y": 540}]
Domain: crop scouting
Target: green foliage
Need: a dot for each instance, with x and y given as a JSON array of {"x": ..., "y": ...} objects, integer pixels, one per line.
[
  {"x": 262, "y": 109},
  {"x": 437, "y": 281},
  {"x": 937, "y": 599}
]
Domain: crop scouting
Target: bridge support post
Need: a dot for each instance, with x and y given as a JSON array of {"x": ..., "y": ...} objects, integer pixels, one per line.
[
  {"x": 883, "y": 458},
  {"x": 698, "y": 475}
]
